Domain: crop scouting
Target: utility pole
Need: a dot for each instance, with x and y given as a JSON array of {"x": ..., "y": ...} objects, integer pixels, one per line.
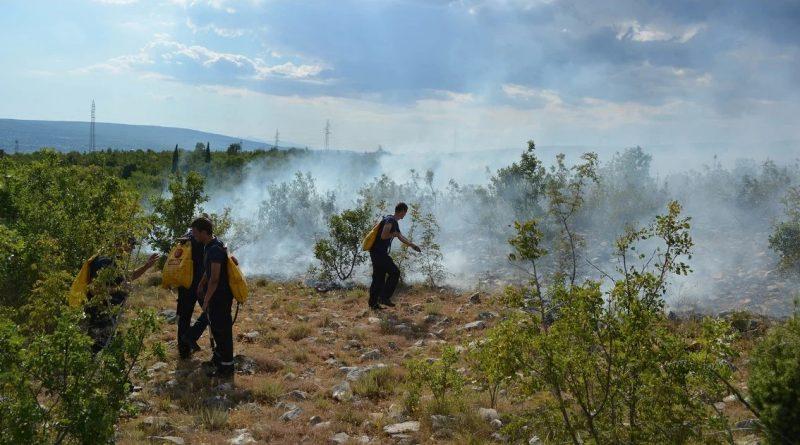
[
  {"x": 277, "y": 138},
  {"x": 327, "y": 134},
  {"x": 16, "y": 146},
  {"x": 91, "y": 130}
]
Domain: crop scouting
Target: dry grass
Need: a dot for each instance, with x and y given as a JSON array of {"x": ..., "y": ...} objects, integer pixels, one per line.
[{"x": 299, "y": 331}]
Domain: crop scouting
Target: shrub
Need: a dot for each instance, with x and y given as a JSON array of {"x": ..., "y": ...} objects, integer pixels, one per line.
[
  {"x": 270, "y": 390},
  {"x": 54, "y": 389},
  {"x": 340, "y": 252},
  {"x": 299, "y": 332},
  {"x": 214, "y": 419},
  {"x": 774, "y": 381},
  {"x": 378, "y": 383},
  {"x": 440, "y": 377}
]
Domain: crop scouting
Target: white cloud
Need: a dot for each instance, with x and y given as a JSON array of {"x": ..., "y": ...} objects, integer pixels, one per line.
[
  {"x": 164, "y": 52},
  {"x": 520, "y": 92},
  {"x": 218, "y": 30},
  {"x": 116, "y": 2},
  {"x": 633, "y": 30}
]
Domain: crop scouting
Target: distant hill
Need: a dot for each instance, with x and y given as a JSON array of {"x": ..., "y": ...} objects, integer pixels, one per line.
[{"x": 67, "y": 136}]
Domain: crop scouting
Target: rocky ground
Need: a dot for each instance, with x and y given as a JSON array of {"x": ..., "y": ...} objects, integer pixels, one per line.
[{"x": 317, "y": 368}]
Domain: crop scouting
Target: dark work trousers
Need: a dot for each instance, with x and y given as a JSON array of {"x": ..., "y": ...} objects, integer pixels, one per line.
[
  {"x": 187, "y": 298},
  {"x": 382, "y": 287},
  {"x": 221, "y": 322}
]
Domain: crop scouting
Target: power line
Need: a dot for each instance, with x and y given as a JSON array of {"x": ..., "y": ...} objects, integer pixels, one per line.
[
  {"x": 327, "y": 134},
  {"x": 91, "y": 130}
]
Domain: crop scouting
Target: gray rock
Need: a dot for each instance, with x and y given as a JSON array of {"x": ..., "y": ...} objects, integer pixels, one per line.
[
  {"x": 314, "y": 420},
  {"x": 442, "y": 426},
  {"x": 534, "y": 440},
  {"x": 487, "y": 315},
  {"x": 747, "y": 424},
  {"x": 342, "y": 392},
  {"x": 156, "y": 423},
  {"x": 250, "y": 337},
  {"x": 364, "y": 439},
  {"x": 157, "y": 366},
  {"x": 475, "y": 298},
  {"x": 242, "y": 437},
  {"x": 167, "y": 439},
  {"x": 339, "y": 439},
  {"x": 297, "y": 395},
  {"x": 169, "y": 315},
  {"x": 245, "y": 365},
  {"x": 496, "y": 424},
  {"x": 322, "y": 425},
  {"x": 372, "y": 354},
  {"x": 497, "y": 437},
  {"x": 479, "y": 324},
  {"x": 291, "y": 415},
  {"x": 730, "y": 399},
  {"x": 488, "y": 414},
  {"x": 402, "y": 428}
]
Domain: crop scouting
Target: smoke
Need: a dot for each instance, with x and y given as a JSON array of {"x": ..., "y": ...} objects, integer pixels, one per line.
[{"x": 281, "y": 207}]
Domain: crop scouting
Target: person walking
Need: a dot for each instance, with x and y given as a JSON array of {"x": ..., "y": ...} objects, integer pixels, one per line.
[
  {"x": 216, "y": 295},
  {"x": 188, "y": 334},
  {"x": 385, "y": 273}
]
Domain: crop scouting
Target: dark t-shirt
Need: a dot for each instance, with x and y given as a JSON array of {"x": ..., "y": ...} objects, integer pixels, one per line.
[
  {"x": 215, "y": 252},
  {"x": 383, "y": 245}
]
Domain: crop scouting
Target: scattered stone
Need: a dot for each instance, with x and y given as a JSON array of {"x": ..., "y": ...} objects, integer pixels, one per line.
[
  {"x": 332, "y": 361},
  {"x": 719, "y": 406},
  {"x": 353, "y": 344},
  {"x": 748, "y": 424},
  {"x": 249, "y": 337},
  {"x": 314, "y": 420},
  {"x": 487, "y": 315},
  {"x": 297, "y": 395},
  {"x": 156, "y": 423},
  {"x": 354, "y": 373},
  {"x": 290, "y": 376},
  {"x": 372, "y": 354},
  {"x": 396, "y": 413},
  {"x": 342, "y": 392},
  {"x": 218, "y": 402},
  {"x": 442, "y": 426},
  {"x": 403, "y": 439},
  {"x": 534, "y": 440},
  {"x": 497, "y": 437},
  {"x": 169, "y": 315},
  {"x": 373, "y": 320},
  {"x": 730, "y": 399},
  {"x": 167, "y": 439},
  {"x": 400, "y": 428},
  {"x": 339, "y": 439},
  {"x": 252, "y": 407},
  {"x": 475, "y": 298},
  {"x": 243, "y": 437},
  {"x": 497, "y": 424},
  {"x": 227, "y": 386},
  {"x": 479, "y": 324},
  {"x": 322, "y": 425},
  {"x": 364, "y": 439},
  {"x": 244, "y": 364},
  {"x": 488, "y": 414},
  {"x": 157, "y": 366},
  {"x": 291, "y": 415}
]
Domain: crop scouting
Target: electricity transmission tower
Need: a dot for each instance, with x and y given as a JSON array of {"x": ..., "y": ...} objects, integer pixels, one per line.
[
  {"x": 277, "y": 138},
  {"x": 91, "y": 129},
  {"x": 327, "y": 134}
]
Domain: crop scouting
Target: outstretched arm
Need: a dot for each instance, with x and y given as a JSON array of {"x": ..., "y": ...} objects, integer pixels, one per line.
[
  {"x": 148, "y": 264},
  {"x": 407, "y": 242}
]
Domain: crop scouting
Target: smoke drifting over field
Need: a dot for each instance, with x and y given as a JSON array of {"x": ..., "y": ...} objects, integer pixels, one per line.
[{"x": 281, "y": 209}]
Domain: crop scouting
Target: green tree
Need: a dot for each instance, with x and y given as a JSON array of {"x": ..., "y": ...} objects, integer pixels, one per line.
[
  {"x": 429, "y": 261},
  {"x": 785, "y": 238},
  {"x": 176, "y": 156},
  {"x": 208, "y": 153},
  {"x": 774, "y": 382},
  {"x": 172, "y": 215},
  {"x": 340, "y": 252},
  {"x": 235, "y": 148}
]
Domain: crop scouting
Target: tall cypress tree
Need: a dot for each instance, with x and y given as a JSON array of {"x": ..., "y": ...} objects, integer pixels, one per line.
[
  {"x": 208, "y": 152},
  {"x": 175, "y": 158}
]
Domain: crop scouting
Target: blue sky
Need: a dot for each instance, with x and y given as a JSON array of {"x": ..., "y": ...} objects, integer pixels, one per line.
[{"x": 414, "y": 75}]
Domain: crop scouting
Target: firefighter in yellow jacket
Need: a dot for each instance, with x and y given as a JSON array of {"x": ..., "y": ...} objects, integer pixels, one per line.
[{"x": 102, "y": 311}]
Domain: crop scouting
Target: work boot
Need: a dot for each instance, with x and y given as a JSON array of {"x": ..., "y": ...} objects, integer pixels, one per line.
[{"x": 221, "y": 371}]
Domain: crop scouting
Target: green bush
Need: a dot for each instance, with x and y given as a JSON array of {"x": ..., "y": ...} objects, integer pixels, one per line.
[
  {"x": 340, "y": 252},
  {"x": 440, "y": 377},
  {"x": 774, "y": 381}
]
